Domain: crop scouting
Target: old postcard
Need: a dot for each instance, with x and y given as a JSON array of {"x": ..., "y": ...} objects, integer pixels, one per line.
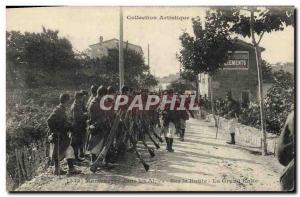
[{"x": 126, "y": 99}]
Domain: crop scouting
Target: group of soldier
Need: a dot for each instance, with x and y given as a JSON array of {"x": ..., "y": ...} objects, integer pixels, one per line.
[{"x": 104, "y": 136}]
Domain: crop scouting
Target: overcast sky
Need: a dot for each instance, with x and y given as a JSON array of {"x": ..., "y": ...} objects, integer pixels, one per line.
[{"x": 83, "y": 26}]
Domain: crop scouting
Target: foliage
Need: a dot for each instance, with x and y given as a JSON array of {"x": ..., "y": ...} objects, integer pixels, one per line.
[
  {"x": 180, "y": 85},
  {"x": 45, "y": 59},
  {"x": 267, "y": 74},
  {"x": 250, "y": 115},
  {"x": 136, "y": 75},
  {"x": 207, "y": 51},
  {"x": 266, "y": 19},
  {"x": 189, "y": 75},
  {"x": 278, "y": 103},
  {"x": 279, "y": 100},
  {"x": 36, "y": 59}
]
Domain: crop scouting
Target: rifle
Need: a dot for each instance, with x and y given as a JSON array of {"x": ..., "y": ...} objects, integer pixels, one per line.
[
  {"x": 154, "y": 133},
  {"x": 150, "y": 137},
  {"x": 108, "y": 143},
  {"x": 131, "y": 139},
  {"x": 146, "y": 166}
]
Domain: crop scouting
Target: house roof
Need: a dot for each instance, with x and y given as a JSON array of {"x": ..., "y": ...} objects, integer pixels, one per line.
[
  {"x": 114, "y": 39},
  {"x": 242, "y": 42}
]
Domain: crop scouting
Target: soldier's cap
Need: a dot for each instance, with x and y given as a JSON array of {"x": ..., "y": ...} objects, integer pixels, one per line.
[
  {"x": 110, "y": 90},
  {"x": 78, "y": 95},
  {"x": 84, "y": 92},
  {"x": 228, "y": 93},
  {"x": 94, "y": 89},
  {"x": 124, "y": 89},
  {"x": 63, "y": 98},
  {"x": 101, "y": 91},
  {"x": 170, "y": 91}
]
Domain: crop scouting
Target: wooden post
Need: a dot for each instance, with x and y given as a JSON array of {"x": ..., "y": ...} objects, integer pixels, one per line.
[
  {"x": 121, "y": 52},
  {"x": 260, "y": 90}
]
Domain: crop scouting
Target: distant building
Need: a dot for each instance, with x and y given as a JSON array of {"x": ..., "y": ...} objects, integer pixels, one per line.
[
  {"x": 239, "y": 76},
  {"x": 101, "y": 48}
]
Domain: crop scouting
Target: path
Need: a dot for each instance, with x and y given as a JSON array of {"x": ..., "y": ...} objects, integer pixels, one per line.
[{"x": 200, "y": 163}]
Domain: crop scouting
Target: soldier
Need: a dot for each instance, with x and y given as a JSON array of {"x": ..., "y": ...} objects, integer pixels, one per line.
[
  {"x": 97, "y": 127},
  {"x": 110, "y": 116},
  {"x": 60, "y": 146},
  {"x": 82, "y": 147},
  {"x": 286, "y": 153},
  {"x": 79, "y": 115},
  {"x": 183, "y": 117},
  {"x": 232, "y": 111},
  {"x": 169, "y": 119},
  {"x": 92, "y": 96}
]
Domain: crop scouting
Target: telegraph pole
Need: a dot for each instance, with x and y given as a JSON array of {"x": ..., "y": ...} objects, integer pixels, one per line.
[
  {"x": 121, "y": 52},
  {"x": 148, "y": 56}
]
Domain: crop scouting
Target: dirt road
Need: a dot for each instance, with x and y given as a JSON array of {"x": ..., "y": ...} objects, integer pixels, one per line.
[{"x": 200, "y": 163}]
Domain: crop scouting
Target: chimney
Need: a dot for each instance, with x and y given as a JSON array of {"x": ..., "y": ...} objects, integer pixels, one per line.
[{"x": 101, "y": 39}]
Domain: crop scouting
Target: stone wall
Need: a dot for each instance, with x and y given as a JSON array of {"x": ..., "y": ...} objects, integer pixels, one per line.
[{"x": 246, "y": 135}]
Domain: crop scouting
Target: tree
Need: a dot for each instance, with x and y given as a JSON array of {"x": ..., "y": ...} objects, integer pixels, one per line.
[
  {"x": 206, "y": 51},
  {"x": 137, "y": 73},
  {"x": 36, "y": 59},
  {"x": 267, "y": 74},
  {"x": 180, "y": 85},
  {"x": 279, "y": 100},
  {"x": 45, "y": 59},
  {"x": 254, "y": 22}
]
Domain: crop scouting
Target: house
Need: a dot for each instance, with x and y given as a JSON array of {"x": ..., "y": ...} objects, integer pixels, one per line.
[
  {"x": 101, "y": 48},
  {"x": 239, "y": 75}
]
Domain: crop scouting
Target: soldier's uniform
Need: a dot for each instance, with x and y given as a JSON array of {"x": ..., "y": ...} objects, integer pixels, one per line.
[
  {"x": 60, "y": 141},
  {"x": 183, "y": 116},
  {"x": 232, "y": 111},
  {"x": 286, "y": 153},
  {"x": 97, "y": 128},
  {"x": 170, "y": 118},
  {"x": 79, "y": 115},
  {"x": 92, "y": 96},
  {"x": 110, "y": 116},
  {"x": 59, "y": 126}
]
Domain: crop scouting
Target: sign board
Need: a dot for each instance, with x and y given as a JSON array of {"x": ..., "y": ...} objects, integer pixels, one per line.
[{"x": 237, "y": 60}]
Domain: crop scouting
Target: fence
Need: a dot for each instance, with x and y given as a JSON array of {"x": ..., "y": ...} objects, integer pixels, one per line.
[{"x": 246, "y": 135}]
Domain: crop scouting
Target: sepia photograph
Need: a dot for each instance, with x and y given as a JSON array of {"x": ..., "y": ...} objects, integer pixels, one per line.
[{"x": 150, "y": 98}]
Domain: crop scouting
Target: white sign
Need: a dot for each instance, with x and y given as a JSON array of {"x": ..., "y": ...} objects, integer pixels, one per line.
[{"x": 237, "y": 60}]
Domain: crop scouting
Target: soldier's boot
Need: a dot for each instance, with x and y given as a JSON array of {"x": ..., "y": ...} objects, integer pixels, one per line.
[
  {"x": 168, "y": 143},
  {"x": 81, "y": 149},
  {"x": 93, "y": 158},
  {"x": 232, "y": 135},
  {"x": 182, "y": 135},
  {"x": 57, "y": 170},
  {"x": 94, "y": 167},
  {"x": 171, "y": 144},
  {"x": 72, "y": 169},
  {"x": 77, "y": 158}
]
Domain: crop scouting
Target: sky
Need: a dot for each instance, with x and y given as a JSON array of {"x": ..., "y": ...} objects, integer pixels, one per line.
[{"x": 84, "y": 25}]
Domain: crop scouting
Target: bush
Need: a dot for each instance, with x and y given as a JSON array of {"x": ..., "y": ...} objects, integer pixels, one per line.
[{"x": 279, "y": 101}]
